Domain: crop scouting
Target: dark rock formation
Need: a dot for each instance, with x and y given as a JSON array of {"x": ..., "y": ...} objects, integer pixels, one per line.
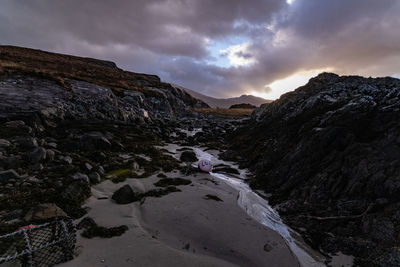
[
  {"x": 55, "y": 86},
  {"x": 329, "y": 153},
  {"x": 125, "y": 195},
  {"x": 188, "y": 156}
]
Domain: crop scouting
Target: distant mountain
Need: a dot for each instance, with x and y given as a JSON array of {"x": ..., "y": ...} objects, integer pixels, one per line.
[{"x": 227, "y": 102}]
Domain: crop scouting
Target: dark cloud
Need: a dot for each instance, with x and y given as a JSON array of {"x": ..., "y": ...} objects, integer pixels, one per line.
[
  {"x": 170, "y": 37},
  {"x": 243, "y": 55}
]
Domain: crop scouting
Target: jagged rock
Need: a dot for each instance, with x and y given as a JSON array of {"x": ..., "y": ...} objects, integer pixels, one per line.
[
  {"x": 12, "y": 162},
  {"x": 88, "y": 166},
  {"x": 188, "y": 156},
  {"x": 43, "y": 212},
  {"x": 95, "y": 141},
  {"x": 94, "y": 178},
  {"x": 14, "y": 124},
  {"x": 52, "y": 145},
  {"x": 37, "y": 155},
  {"x": 100, "y": 170},
  {"x": 331, "y": 148},
  {"x": 6, "y": 176},
  {"x": 50, "y": 154},
  {"x": 125, "y": 195},
  {"x": 76, "y": 192},
  {"x": 80, "y": 177},
  {"x": 27, "y": 143},
  {"x": 4, "y": 143},
  {"x": 14, "y": 128},
  {"x": 36, "y": 167},
  {"x": 66, "y": 159}
]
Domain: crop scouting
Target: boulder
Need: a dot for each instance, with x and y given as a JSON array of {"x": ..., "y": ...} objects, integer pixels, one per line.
[
  {"x": 94, "y": 141},
  {"x": 43, "y": 212},
  {"x": 66, "y": 159},
  {"x": 36, "y": 167},
  {"x": 76, "y": 192},
  {"x": 37, "y": 155},
  {"x": 14, "y": 124},
  {"x": 50, "y": 154},
  {"x": 188, "y": 156},
  {"x": 88, "y": 166},
  {"x": 7, "y": 175},
  {"x": 4, "y": 143},
  {"x": 80, "y": 177},
  {"x": 125, "y": 195},
  {"x": 27, "y": 143},
  {"x": 94, "y": 178}
]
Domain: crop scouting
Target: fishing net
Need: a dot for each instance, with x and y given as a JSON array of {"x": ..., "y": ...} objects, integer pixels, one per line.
[{"x": 39, "y": 246}]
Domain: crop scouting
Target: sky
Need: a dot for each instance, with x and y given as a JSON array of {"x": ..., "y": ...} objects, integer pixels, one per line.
[{"x": 221, "y": 48}]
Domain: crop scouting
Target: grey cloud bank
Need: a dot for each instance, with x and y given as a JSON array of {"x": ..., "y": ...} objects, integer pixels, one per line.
[{"x": 171, "y": 38}]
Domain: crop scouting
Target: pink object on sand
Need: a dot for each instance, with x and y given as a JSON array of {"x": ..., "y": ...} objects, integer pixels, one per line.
[{"x": 205, "y": 165}]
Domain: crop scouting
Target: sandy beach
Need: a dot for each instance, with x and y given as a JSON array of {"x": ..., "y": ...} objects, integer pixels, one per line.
[{"x": 180, "y": 229}]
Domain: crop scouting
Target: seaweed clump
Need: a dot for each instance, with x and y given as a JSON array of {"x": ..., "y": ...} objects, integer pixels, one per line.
[{"x": 91, "y": 229}]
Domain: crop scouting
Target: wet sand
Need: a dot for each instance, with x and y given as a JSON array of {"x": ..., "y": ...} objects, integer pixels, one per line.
[{"x": 180, "y": 229}]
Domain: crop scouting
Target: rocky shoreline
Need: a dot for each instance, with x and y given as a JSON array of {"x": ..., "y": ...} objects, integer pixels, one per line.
[{"x": 328, "y": 155}]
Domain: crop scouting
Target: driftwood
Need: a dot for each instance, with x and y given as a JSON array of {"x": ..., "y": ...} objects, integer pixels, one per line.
[{"x": 351, "y": 217}]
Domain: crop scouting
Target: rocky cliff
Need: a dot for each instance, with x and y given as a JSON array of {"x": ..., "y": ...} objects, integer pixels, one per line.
[
  {"x": 69, "y": 87},
  {"x": 329, "y": 155},
  {"x": 67, "y": 123}
]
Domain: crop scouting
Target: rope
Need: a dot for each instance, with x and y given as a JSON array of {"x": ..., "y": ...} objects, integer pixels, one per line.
[{"x": 60, "y": 232}]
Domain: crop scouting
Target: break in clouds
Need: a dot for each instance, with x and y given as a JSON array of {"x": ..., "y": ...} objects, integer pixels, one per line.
[{"x": 221, "y": 47}]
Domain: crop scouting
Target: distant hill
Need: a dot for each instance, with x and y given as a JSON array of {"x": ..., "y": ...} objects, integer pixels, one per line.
[{"x": 227, "y": 102}]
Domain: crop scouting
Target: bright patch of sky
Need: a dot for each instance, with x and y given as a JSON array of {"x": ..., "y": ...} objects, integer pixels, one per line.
[
  {"x": 290, "y": 83},
  {"x": 229, "y": 52},
  {"x": 238, "y": 55}
]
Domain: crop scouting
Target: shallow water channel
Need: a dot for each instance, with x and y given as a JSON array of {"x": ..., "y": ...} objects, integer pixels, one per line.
[{"x": 256, "y": 206}]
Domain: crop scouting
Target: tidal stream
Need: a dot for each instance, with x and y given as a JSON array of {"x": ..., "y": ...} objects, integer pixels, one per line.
[{"x": 256, "y": 206}]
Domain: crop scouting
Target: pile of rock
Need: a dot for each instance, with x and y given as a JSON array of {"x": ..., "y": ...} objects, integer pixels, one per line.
[{"x": 329, "y": 153}]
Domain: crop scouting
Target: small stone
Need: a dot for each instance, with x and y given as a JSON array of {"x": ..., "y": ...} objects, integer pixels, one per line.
[
  {"x": 50, "y": 154},
  {"x": 52, "y": 145},
  {"x": 125, "y": 195},
  {"x": 94, "y": 178},
  {"x": 14, "y": 124},
  {"x": 135, "y": 166},
  {"x": 37, "y": 155},
  {"x": 6, "y": 176},
  {"x": 100, "y": 170},
  {"x": 80, "y": 177},
  {"x": 267, "y": 247},
  {"x": 66, "y": 159},
  {"x": 88, "y": 166},
  {"x": 44, "y": 211},
  {"x": 36, "y": 167},
  {"x": 27, "y": 142},
  {"x": 4, "y": 143},
  {"x": 58, "y": 184},
  {"x": 33, "y": 180}
]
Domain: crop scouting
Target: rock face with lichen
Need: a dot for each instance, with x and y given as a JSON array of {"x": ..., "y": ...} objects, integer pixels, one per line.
[
  {"x": 54, "y": 86},
  {"x": 68, "y": 122},
  {"x": 332, "y": 149}
]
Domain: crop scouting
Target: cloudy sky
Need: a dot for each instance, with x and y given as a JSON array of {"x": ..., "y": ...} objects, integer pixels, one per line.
[{"x": 217, "y": 47}]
